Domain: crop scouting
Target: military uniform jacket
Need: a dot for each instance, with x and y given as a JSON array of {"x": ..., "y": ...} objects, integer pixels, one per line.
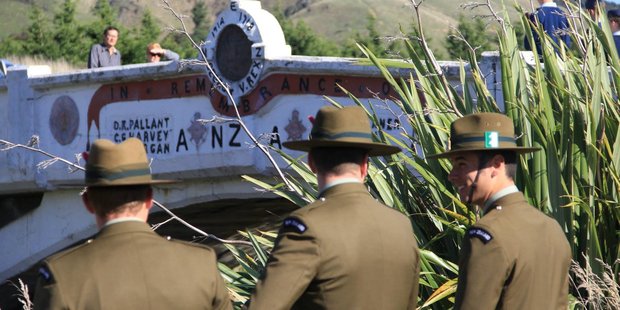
[
  {"x": 344, "y": 251},
  {"x": 514, "y": 257},
  {"x": 128, "y": 266}
]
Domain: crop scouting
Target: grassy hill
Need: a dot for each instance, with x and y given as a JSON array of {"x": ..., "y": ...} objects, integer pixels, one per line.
[{"x": 334, "y": 19}]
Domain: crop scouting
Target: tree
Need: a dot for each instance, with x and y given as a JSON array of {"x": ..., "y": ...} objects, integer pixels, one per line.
[
  {"x": 202, "y": 23},
  {"x": 150, "y": 30},
  {"x": 414, "y": 38},
  {"x": 11, "y": 46},
  {"x": 70, "y": 44},
  {"x": 372, "y": 41},
  {"x": 105, "y": 13},
  {"x": 303, "y": 40},
  {"x": 469, "y": 33},
  {"x": 39, "y": 35}
]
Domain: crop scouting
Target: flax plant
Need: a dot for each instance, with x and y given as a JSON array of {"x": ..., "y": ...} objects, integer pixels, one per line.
[{"x": 565, "y": 102}]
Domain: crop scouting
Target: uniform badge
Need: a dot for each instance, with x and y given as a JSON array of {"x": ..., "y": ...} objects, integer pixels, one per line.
[
  {"x": 293, "y": 225},
  {"x": 491, "y": 139},
  {"x": 480, "y": 233},
  {"x": 46, "y": 274}
]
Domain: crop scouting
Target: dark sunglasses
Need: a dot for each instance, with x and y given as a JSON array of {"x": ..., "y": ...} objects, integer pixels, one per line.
[{"x": 155, "y": 54}]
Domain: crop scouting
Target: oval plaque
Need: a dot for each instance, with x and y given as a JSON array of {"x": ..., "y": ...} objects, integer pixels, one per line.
[{"x": 64, "y": 120}]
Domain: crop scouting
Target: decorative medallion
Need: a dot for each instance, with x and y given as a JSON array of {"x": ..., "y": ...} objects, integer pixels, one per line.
[
  {"x": 64, "y": 120},
  {"x": 295, "y": 127},
  {"x": 240, "y": 40},
  {"x": 197, "y": 131}
]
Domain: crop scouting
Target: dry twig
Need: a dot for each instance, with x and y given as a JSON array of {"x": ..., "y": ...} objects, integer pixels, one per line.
[
  {"x": 223, "y": 87},
  {"x": 431, "y": 58}
]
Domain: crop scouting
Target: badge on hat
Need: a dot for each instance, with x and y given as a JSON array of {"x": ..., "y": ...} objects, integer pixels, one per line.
[
  {"x": 491, "y": 139},
  {"x": 482, "y": 132}
]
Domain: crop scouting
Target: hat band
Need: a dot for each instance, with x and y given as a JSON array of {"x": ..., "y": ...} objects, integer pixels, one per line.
[
  {"x": 98, "y": 174},
  {"x": 481, "y": 139},
  {"x": 490, "y": 140},
  {"x": 337, "y": 136}
]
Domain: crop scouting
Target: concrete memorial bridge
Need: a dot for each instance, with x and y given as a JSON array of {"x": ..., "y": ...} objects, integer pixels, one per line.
[{"x": 162, "y": 103}]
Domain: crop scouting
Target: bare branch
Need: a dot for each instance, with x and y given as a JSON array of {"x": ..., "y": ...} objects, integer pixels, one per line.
[
  {"x": 156, "y": 226},
  {"x": 198, "y": 230},
  {"x": 217, "y": 119},
  {"x": 6, "y": 145},
  {"x": 431, "y": 57},
  {"x": 486, "y": 4}
]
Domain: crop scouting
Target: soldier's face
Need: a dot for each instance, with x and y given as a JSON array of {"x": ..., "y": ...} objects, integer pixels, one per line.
[{"x": 463, "y": 175}]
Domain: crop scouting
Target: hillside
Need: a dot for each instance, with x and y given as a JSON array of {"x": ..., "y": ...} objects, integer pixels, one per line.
[{"x": 334, "y": 19}]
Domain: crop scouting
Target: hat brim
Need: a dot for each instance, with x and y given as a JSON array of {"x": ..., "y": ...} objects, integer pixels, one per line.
[
  {"x": 518, "y": 150},
  {"x": 374, "y": 149},
  {"x": 111, "y": 184}
]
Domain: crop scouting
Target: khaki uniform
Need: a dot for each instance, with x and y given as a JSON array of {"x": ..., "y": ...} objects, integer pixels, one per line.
[
  {"x": 514, "y": 257},
  {"x": 128, "y": 266},
  {"x": 344, "y": 251}
]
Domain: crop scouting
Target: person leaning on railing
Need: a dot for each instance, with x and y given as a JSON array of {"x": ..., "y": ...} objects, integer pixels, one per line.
[{"x": 155, "y": 53}]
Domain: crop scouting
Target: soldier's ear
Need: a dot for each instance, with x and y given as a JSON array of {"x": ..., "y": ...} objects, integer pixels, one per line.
[
  {"x": 87, "y": 204},
  {"x": 498, "y": 160},
  {"x": 149, "y": 199},
  {"x": 364, "y": 167},
  {"x": 311, "y": 163}
]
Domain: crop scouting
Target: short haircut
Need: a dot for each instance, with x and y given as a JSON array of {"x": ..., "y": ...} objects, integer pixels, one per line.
[
  {"x": 105, "y": 32},
  {"x": 117, "y": 199},
  {"x": 510, "y": 161},
  {"x": 613, "y": 17},
  {"x": 152, "y": 45},
  {"x": 337, "y": 159}
]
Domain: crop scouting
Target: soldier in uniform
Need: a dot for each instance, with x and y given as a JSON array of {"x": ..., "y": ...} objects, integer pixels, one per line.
[
  {"x": 514, "y": 256},
  {"x": 127, "y": 265},
  {"x": 346, "y": 250}
]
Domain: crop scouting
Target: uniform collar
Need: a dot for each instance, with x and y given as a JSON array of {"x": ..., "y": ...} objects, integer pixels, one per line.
[
  {"x": 501, "y": 193},
  {"x": 506, "y": 200},
  {"x": 122, "y": 219},
  {"x": 124, "y": 227},
  {"x": 338, "y": 182},
  {"x": 549, "y": 5},
  {"x": 344, "y": 188}
]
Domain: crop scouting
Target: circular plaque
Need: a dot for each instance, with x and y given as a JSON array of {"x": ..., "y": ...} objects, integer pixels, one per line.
[
  {"x": 242, "y": 37},
  {"x": 234, "y": 53},
  {"x": 64, "y": 120}
]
